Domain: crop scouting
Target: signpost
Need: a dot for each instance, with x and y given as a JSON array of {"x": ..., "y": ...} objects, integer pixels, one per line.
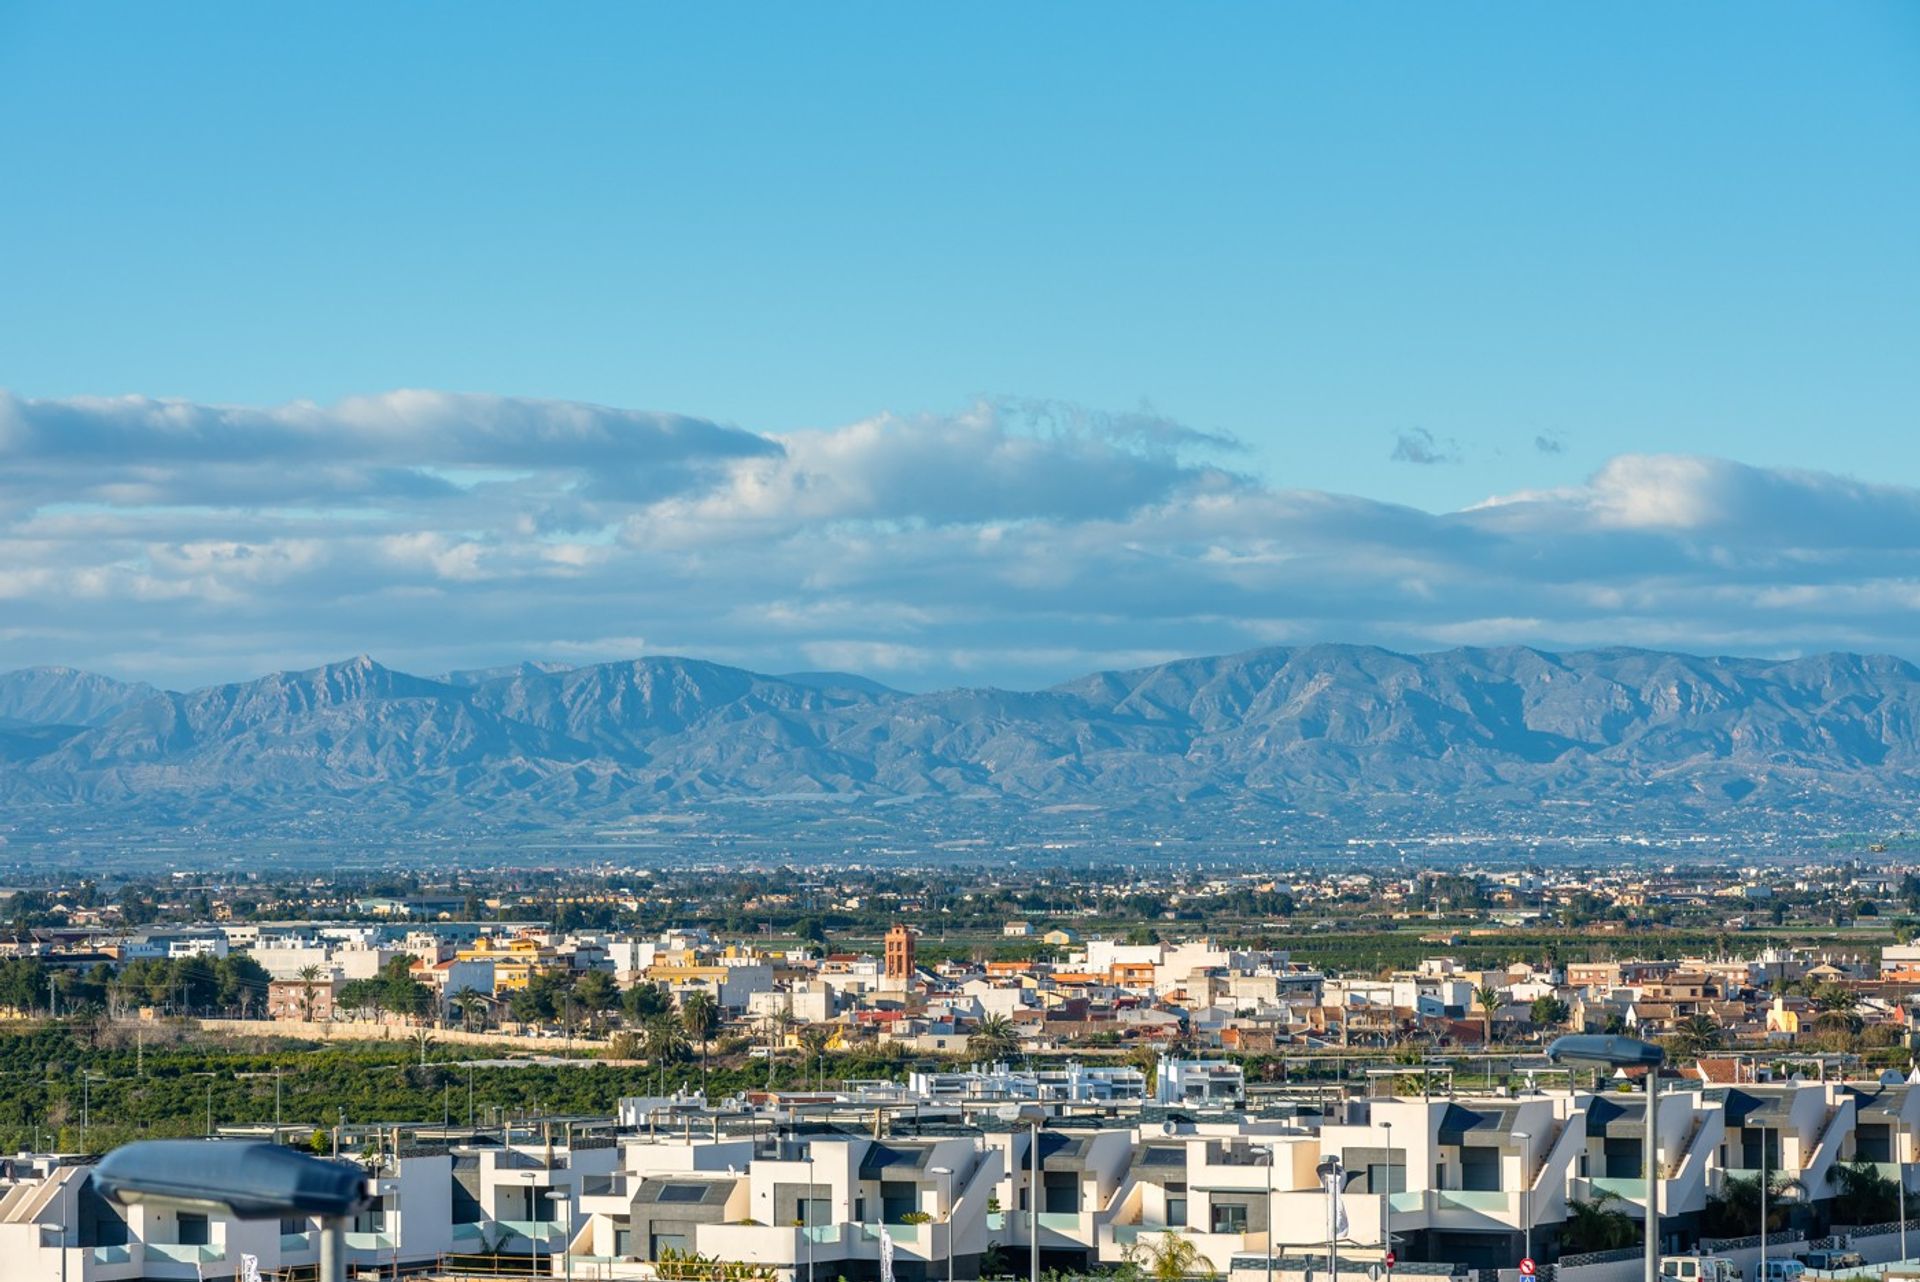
[{"x": 1527, "y": 1267}]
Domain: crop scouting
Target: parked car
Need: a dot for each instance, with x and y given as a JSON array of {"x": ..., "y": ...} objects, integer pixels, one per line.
[
  {"x": 1779, "y": 1270},
  {"x": 1832, "y": 1261},
  {"x": 1700, "y": 1268}
]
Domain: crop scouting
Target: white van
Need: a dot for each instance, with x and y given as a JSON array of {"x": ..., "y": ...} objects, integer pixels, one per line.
[
  {"x": 1700, "y": 1268},
  {"x": 1779, "y": 1270}
]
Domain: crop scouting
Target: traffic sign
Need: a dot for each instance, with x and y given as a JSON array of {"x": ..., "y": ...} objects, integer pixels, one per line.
[
  {"x": 1392, "y": 1259},
  {"x": 1527, "y": 1267}
]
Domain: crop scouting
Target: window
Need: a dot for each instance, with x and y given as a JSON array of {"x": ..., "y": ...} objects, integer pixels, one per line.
[
  {"x": 1177, "y": 1210},
  {"x": 1479, "y": 1168},
  {"x": 681, "y": 1193},
  {"x": 1229, "y": 1217},
  {"x": 194, "y": 1230},
  {"x": 667, "y": 1242},
  {"x": 299, "y": 1224}
]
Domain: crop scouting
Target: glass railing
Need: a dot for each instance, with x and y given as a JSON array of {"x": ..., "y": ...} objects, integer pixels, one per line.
[
  {"x": 1408, "y": 1201},
  {"x": 1060, "y": 1221},
  {"x": 1494, "y": 1200},
  {"x": 532, "y": 1230},
  {"x": 369, "y": 1241},
  {"x": 996, "y": 1221},
  {"x": 1127, "y": 1234},
  {"x": 1632, "y": 1188},
  {"x": 898, "y": 1232},
  {"x": 112, "y": 1254},
  {"x": 295, "y": 1242},
  {"x": 821, "y": 1233},
  {"x": 186, "y": 1253}
]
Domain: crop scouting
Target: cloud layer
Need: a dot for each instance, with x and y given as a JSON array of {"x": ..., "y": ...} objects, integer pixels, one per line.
[{"x": 1012, "y": 542}]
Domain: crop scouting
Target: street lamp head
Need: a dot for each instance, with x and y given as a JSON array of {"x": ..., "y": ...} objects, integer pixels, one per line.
[
  {"x": 1609, "y": 1050},
  {"x": 247, "y": 1180}
]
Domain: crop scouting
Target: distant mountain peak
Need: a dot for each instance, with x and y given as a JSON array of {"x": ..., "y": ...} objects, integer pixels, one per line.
[{"x": 1323, "y": 726}]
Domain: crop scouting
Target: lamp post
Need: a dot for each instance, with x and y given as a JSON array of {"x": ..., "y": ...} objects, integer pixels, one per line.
[
  {"x": 1386, "y": 1202},
  {"x": 1761, "y": 1276},
  {"x": 1033, "y": 1115},
  {"x": 1331, "y": 1174},
  {"x": 806, "y": 1218},
  {"x": 1526, "y": 1192},
  {"x": 946, "y": 1181},
  {"x": 61, "y": 1229},
  {"x": 1628, "y": 1052}
]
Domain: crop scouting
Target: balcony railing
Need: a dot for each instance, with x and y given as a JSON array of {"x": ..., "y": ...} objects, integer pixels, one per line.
[
  {"x": 294, "y": 1242},
  {"x": 532, "y": 1230},
  {"x": 381, "y": 1241},
  {"x": 186, "y": 1253},
  {"x": 112, "y": 1254}
]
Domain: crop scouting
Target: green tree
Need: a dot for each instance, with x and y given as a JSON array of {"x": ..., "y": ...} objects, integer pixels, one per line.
[
  {"x": 1168, "y": 1257},
  {"x": 1549, "y": 1011},
  {"x": 994, "y": 1039},
  {"x": 700, "y": 1016},
  {"x": 1597, "y": 1225},
  {"x": 1696, "y": 1035},
  {"x": 1487, "y": 998}
]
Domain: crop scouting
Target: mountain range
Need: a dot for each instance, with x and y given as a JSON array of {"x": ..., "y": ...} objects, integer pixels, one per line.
[{"x": 1325, "y": 727}]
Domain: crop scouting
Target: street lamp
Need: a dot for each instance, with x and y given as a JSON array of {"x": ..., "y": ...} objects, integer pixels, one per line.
[
  {"x": 61, "y": 1229},
  {"x": 248, "y": 1181},
  {"x": 946, "y": 1180},
  {"x": 1331, "y": 1173},
  {"x": 1386, "y": 1202},
  {"x": 1526, "y": 1192},
  {"x": 806, "y": 1216},
  {"x": 1628, "y": 1052},
  {"x": 1033, "y": 1115}
]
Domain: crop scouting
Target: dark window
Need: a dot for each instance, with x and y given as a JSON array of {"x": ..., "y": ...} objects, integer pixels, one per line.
[
  {"x": 1479, "y": 1168},
  {"x": 667, "y": 1242},
  {"x": 1061, "y": 1193},
  {"x": 1378, "y": 1175},
  {"x": 1873, "y": 1142},
  {"x": 1176, "y": 1210},
  {"x": 1229, "y": 1217},
  {"x": 681, "y": 1193},
  {"x": 194, "y": 1230},
  {"x": 1622, "y": 1157},
  {"x": 898, "y": 1200}
]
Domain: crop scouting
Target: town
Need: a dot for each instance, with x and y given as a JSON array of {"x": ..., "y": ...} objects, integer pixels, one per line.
[{"x": 679, "y": 1073}]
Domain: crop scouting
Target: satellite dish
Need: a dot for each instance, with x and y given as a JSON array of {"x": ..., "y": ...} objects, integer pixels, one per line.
[
  {"x": 1008, "y": 1112},
  {"x": 1169, "y": 1128}
]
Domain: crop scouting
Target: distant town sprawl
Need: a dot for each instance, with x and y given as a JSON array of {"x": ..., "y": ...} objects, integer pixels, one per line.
[{"x": 762, "y": 1074}]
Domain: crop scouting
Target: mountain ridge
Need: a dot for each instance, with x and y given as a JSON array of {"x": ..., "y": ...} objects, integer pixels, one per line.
[{"x": 1341, "y": 726}]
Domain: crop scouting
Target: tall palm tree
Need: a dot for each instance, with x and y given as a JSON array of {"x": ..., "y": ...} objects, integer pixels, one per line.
[
  {"x": 309, "y": 983},
  {"x": 666, "y": 1040},
  {"x": 700, "y": 1016},
  {"x": 467, "y": 1001},
  {"x": 1488, "y": 999},
  {"x": 994, "y": 1039}
]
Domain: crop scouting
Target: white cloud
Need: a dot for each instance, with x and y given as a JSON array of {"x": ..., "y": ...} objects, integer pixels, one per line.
[{"x": 1010, "y": 543}]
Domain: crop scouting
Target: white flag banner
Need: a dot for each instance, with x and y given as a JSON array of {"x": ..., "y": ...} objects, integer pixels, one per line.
[
  {"x": 1336, "y": 1207},
  {"x": 886, "y": 1256},
  {"x": 249, "y": 1268}
]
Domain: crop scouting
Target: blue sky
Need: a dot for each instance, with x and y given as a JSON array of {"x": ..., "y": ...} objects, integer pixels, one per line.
[{"x": 1402, "y": 255}]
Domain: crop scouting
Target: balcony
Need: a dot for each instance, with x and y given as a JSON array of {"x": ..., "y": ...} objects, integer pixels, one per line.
[
  {"x": 297, "y": 1243},
  {"x": 185, "y": 1252},
  {"x": 531, "y": 1230},
  {"x": 112, "y": 1255},
  {"x": 381, "y": 1241}
]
